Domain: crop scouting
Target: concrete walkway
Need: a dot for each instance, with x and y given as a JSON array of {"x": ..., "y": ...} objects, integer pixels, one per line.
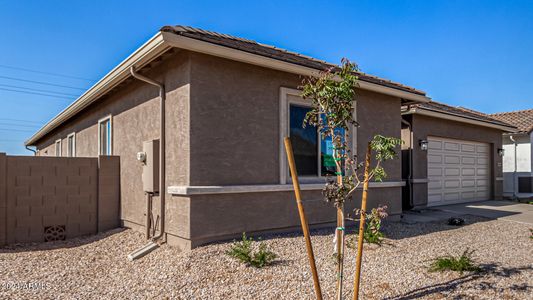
[{"x": 494, "y": 209}]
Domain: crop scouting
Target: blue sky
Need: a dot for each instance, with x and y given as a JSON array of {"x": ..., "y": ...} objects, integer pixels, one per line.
[{"x": 477, "y": 54}]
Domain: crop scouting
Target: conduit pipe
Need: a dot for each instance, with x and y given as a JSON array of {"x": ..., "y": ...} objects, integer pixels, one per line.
[
  {"x": 148, "y": 214},
  {"x": 162, "y": 191}
]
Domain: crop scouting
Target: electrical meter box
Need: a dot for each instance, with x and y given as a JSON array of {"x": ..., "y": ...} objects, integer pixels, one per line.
[{"x": 150, "y": 162}]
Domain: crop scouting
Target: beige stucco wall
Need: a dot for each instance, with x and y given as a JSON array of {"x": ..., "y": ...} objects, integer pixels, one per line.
[
  {"x": 235, "y": 122},
  {"x": 222, "y": 129},
  {"x": 235, "y": 141},
  {"x": 424, "y": 126}
]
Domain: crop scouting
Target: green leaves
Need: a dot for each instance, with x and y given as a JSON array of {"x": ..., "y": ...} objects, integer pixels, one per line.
[
  {"x": 385, "y": 147},
  {"x": 332, "y": 95},
  {"x": 451, "y": 263},
  {"x": 244, "y": 251}
]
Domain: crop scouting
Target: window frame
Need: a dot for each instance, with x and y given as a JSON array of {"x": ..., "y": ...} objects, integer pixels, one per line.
[
  {"x": 73, "y": 136},
  {"x": 284, "y": 130},
  {"x": 60, "y": 152},
  {"x": 102, "y": 120}
]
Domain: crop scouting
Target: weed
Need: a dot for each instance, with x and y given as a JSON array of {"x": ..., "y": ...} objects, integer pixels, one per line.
[
  {"x": 244, "y": 251},
  {"x": 451, "y": 263}
]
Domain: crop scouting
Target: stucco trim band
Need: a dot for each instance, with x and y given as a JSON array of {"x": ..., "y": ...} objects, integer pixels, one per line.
[{"x": 185, "y": 190}]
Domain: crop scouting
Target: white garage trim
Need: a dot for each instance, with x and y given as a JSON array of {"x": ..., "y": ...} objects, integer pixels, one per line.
[{"x": 458, "y": 171}]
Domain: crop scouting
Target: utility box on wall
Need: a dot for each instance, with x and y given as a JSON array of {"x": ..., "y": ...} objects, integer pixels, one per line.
[{"x": 150, "y": 161}]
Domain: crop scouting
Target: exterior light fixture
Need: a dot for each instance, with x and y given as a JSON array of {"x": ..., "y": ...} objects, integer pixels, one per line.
[
  {"x": 501, "y": 152},
  {"x": 423, "y": 145}
]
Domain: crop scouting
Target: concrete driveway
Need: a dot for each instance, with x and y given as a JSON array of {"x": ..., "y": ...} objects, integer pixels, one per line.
[{"x": 494, "y": 209}]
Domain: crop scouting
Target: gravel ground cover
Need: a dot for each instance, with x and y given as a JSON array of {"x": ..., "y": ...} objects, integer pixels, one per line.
[{"x": 96, "y": 267}]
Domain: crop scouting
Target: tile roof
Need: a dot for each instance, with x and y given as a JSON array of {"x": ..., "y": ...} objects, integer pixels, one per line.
[
  {"x": 461, "y": 112},
  {"x": 522, "y": 119},
  {"x": 254, "y": 47}
]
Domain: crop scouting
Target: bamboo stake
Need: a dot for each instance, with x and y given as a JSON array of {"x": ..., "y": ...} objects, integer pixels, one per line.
[
  {"x": 339, "y": 232},
  {"x": 303, "y": 220},
  {"x": 359, "y": 260}
]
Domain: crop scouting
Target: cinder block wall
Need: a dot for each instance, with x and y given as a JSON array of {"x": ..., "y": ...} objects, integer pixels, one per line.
[
  {"x": 108, "y": 193},
  {"x": 42, "y": 195}
]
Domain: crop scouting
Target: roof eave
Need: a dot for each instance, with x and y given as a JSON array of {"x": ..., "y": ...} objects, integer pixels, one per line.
[
  {"x": 457, "y": 118},
  {"x": 195, "y": 45},
  {"x": 161, "y": 42}
]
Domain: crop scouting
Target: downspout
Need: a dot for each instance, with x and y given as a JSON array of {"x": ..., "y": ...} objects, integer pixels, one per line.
[
  {"x": 410, "y": 173},
  {"x": 162, "y": 191},
  {"x": 515, "y": 166},
  {"x": 30, "y": 149}
]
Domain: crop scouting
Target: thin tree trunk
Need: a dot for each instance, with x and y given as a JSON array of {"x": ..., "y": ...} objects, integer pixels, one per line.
[{"x": 360, "y": 240}]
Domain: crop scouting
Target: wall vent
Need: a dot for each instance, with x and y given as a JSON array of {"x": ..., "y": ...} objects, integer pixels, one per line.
[{"x": 54, "y": 233}]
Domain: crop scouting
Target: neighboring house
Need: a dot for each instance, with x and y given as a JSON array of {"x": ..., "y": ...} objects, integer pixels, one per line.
[
  {"x": 518, "y": 159},
  {"x": 450, "y": 155},
  {"x": 229, "y": 103}
]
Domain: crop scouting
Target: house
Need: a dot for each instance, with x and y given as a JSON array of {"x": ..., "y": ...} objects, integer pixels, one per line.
[
  {"x": 518, "y": 159},
  {"x": 450, "y": 155},
  {"x": 219, "y": 106}
]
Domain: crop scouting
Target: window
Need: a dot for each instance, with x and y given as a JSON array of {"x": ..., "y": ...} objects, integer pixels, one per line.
[
  {"x": 105, "y": 136},
  {"x": 307, "y": 145},
  {"x": 312, "y": 154},
  {"x": 58, "y": 147},
  {"x": 71, "y": 145}
]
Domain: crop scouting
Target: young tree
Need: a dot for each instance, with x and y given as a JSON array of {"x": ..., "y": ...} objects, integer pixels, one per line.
[{"x": 333, "y": 95}]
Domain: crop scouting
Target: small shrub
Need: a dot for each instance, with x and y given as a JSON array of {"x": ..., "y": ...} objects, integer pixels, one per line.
[
  {"x": 244, "y": 251},
  {"x": 531, "y": 233},
  {"x": 372, "y": 233},
  {"x": 451, "y": 263}
]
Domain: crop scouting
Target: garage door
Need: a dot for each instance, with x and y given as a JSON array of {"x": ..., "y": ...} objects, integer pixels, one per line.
[{"x": 458, "y": 171}]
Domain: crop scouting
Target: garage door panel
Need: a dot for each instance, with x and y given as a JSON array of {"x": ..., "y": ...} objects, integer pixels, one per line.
[
  {"x": 468, "y": 172},
  {"x": 454, "y": 196},
  {"x": 452, "y": 159},
  {"x": 481, "y": 161},
  {"x": 449, "y": 184},
  {"x": 435, "y": 185},
  {"x": 468, "y": 160},
  {"x": 452, "y": 171},
  {"x": 482, "y": 149},
  {"x": 468, "y": 195},
  {"x": 482, "y": 183},
  {"x": 435, "y": 158},
  {"x": 468, "y": 183},
  {"x": 482, "y": 171},
  {"x": 435, "y": 172},
  {"x": 435, "y": 145},
  {"x": 450, "y": 146},
  {"x": 458, "y": 171},
  {"x": 468, "y": 148}
]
